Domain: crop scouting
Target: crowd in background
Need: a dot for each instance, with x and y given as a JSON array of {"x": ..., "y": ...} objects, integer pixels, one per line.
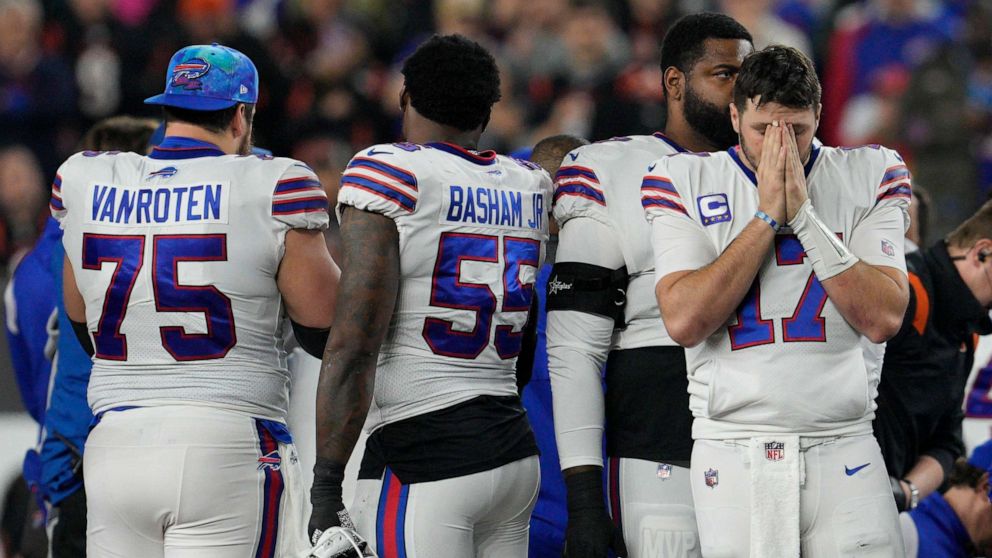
[{"x": 915, "y": 75}]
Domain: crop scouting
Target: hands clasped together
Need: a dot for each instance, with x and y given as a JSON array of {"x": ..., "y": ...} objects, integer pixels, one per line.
[{"x": 780, "y": 173}]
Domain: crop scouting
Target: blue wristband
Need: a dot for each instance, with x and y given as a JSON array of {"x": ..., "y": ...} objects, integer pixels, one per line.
[{"x": 768, "y": 219}]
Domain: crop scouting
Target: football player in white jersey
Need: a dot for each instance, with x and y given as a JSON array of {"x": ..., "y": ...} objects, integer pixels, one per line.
[
  {"x": 441, "y": 244},
  {"x": 602, "y": 309},
  {"x": 180, "y": 268},
  {"x": 780, "y": 267}
]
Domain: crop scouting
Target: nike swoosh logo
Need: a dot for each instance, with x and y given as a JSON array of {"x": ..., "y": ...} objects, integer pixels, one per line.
[
  {"x": 574, "y": 156},
  {"x": 651, "y": 168},
  {"x": 372, "y": 152},
  {"x": 851, "y": 472}
]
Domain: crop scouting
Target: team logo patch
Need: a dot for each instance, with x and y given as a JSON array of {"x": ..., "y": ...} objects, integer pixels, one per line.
[
  {"x": 187, "y": 74},
  {"x": 775, "y": 451},
  {"x": 713, "y": 209},
  {"x": 270, "y": 460},
  {"x": 712, "y": 477},
  {"x": 664, "y": 471},
  {"x": 888, "y": 248},
  {"x": 167, "y": 172}
]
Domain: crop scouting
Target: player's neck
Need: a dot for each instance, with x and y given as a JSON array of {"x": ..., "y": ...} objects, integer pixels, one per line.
[
  {"x": 224, "y": 141},
  {"x": 422, "y": 130},
  {"x": 679, "y": 131}
]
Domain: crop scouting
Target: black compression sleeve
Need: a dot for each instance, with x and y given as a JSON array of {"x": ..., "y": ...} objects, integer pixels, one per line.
[
  {"x": 528, "y": 348},
  {"x": 312, "y": 339},
  {"x": 83, "y": 335}
]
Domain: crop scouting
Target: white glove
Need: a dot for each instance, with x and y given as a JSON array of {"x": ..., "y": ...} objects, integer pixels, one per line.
[{"x": 340, "y": 542}]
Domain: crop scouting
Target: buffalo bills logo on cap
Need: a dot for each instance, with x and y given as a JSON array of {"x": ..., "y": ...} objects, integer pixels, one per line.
[{"x": 187, "y": 74}]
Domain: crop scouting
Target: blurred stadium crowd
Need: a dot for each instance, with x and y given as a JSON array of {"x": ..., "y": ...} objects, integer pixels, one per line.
[{"x": 915, "y": 75}]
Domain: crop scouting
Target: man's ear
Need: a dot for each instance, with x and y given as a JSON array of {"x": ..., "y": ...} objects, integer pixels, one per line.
[
  {"x": 673, "y": 81},
  {"x": 239, "y": 122},
  {"x": 735, "y": 118}
]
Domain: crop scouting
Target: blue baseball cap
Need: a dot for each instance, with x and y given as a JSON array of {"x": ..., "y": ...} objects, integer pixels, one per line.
[{"x": 208, "y": 77}]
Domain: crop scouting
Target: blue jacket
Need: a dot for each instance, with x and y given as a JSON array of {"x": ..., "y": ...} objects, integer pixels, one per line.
[
  {"x": 941, "y": 534},
  {"x": 29, "y": 304},
  {"x": 66, "y": 418}
]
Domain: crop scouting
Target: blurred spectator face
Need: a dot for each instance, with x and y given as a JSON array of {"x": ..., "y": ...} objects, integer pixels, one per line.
[
  {"x": 587, "y": 35},
  {"x": 89, "y": 11},
  {"x": 752, "y": 121},
  {"x": 206, "y": 20},
  {"x": 463, "y": 17},
  {"x": 20, "y": 22},
  {"x": 322, "y": 10},
  {"x": 546, "y": 14},
  {"x": 646, "y": 12},
  {"x": 749, "y": 7},
  {"x": 709, "y": 89},
  {"x": 22, "y": 191}
]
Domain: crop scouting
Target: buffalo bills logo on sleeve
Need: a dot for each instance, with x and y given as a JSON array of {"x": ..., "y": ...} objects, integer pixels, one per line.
[
  {"x": 713, "y": 208},
  {"x": 187, "y": 74}
]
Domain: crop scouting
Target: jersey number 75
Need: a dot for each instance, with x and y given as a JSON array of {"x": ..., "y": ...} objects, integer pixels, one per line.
[{"x": 127, "y": 254}]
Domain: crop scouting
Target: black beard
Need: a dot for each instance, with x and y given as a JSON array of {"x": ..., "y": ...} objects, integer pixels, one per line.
[{"x": 709, "y": 120}]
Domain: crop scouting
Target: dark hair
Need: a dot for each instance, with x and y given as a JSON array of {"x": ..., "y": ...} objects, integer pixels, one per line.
[
  {"x": 453, "y": 81},
  {"x": 684, "y": 44},
  {"x": 212, "y": 120},
  {"x": 120, "y": 133},
  {"x": 965, "y": 474},
  {"x": 974, "y": 228},
  {"x": 777, "y": 74}
]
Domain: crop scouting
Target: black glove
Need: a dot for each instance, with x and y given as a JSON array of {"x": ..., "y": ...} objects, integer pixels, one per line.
[
  {"x": 591, "y": 532},
  {"x": 326, "y": 497},
  {"x": 902, "y": 502}
]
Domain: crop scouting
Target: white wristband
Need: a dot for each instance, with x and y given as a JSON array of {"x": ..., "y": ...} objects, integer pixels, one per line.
[{"x": 825, "y": 251}]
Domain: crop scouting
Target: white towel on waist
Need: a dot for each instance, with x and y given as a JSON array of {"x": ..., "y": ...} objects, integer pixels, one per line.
[{"x": 775, "y": 480}]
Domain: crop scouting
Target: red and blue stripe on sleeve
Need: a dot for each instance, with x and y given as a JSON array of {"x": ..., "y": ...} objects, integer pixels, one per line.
[
  {"x": 895, "y": 184},
  {"x": 659, "y": 192},
  {"x": 301, "y": 194},
  {"x": 55, "y": 203},
  {"x": 389, "y": 182},
  {"x": 580, "y": 182}
]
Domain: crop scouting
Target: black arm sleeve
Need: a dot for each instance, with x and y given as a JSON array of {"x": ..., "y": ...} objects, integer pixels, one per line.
[
  {"x": 312, "y": 339},
  {"x": 588, "y": 288},
  {"x": 528, "y": 347},
  {"x": 83, "y": 335}
]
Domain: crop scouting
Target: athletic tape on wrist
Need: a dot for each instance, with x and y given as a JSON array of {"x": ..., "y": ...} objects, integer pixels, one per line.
[{"x": 825, "y": 251}]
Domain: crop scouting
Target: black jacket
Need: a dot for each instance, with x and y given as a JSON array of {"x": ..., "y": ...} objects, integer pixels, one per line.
[{"x": 926, "y": 366}]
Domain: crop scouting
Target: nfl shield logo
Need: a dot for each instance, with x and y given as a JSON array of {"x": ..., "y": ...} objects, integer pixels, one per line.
[
  {"x": 775, "y": 451},
  {"x": 712, "y": 477},
  {"x": 888, "y": 248},
  {"x": 664, "y": 471}
]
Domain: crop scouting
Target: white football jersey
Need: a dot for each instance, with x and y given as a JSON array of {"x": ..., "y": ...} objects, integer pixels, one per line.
[
  {"x": 602, "y": 181},
  {"x": 472, "y": 229},
  {"x": 176, "y": 256},
  {"x": 787, "y": 361}
]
